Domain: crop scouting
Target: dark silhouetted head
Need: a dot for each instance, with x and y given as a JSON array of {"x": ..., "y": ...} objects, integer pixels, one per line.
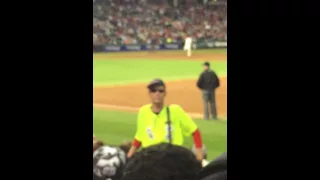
[{"x": 162, "y": 162}]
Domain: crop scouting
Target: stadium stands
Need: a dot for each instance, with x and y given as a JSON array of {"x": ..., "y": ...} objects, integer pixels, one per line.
[{"x": 118, "y": 22}]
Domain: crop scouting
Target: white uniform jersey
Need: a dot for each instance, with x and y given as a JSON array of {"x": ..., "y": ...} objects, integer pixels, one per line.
[
  {"x": 188, "y": 45},
  {"x": 188, "y": 42}
]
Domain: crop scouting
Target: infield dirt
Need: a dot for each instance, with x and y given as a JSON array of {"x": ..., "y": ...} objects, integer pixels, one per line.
[{"x": 183, "y": 92}]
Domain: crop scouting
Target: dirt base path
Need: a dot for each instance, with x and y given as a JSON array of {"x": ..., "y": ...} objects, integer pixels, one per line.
[{"x": 182, "y": 92}]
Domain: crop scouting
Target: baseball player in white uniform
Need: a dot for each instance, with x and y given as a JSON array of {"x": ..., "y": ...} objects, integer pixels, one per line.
[{"x": 187, "y": 45}]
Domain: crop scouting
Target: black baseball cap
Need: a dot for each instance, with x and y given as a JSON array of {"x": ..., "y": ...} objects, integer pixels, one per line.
[
  {"x": 156, "y": 82},
  {"x": 206, "y": 64}
]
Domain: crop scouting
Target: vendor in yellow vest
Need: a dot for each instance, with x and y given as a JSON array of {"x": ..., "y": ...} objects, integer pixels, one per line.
[{"x": 158, "y": 123}]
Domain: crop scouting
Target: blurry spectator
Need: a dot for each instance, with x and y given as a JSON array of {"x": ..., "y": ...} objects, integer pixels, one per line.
[
  {"x": 138, "y": 21},
  {"x": 109, "y": 160},
  {"x": 162, "y": 162}
]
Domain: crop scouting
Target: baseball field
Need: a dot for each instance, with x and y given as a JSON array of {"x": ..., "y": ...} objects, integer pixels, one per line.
[{"x": 119, "y": 89}]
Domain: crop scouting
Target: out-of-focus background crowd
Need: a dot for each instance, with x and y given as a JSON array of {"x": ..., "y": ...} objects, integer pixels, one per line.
[{"x": 118, "y": 22}]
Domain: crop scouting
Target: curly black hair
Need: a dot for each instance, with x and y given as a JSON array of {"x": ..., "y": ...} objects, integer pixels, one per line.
[{"x": 162, "y": 162}]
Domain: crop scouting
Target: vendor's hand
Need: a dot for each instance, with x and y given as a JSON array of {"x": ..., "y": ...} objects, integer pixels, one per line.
[
  {"x": 200, "y": 158},
  {"x": 199, "y": 154}
]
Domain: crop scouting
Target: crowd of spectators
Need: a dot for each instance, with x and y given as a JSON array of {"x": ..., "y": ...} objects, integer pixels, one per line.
[
  {"x": 141, "y": 21},
  {"x": 163, "y": 161}
]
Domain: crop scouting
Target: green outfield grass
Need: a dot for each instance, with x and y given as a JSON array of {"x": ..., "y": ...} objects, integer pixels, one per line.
[
  {"x": 114, "y": 127},
  {"x": 132, "y": 71}
]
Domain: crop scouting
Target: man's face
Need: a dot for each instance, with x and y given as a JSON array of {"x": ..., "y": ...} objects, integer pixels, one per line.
[
  {"x": 205, "y": 67},
  {"x": 157, "y": 94}
]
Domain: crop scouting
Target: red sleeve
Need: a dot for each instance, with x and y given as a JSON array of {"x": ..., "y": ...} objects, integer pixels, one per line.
[
  {"x": 197, "y": 139},
  {"x": 136, "y": 143}
]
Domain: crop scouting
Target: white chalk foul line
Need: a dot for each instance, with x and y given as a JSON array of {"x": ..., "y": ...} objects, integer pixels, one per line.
[{"x": 135, "y": 109}]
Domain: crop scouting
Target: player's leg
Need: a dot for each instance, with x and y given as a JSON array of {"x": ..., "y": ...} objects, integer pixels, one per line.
[
  {"x": 184, "y": 48},
  {"x": 205, "y": 99},
  {"x": 212, "y": 102},
  {"x": 189, "y": 51}
]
